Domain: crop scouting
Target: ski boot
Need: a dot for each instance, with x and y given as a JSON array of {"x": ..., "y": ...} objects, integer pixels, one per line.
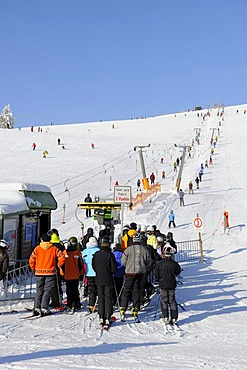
[{"x": 122, "y": 314}]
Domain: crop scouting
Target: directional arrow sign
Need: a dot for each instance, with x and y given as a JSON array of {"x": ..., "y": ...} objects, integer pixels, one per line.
[{"x": 197, "y": 222}]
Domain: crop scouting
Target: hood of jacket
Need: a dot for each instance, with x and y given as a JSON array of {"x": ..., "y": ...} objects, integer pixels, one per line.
[{"x": 45, "y": 245}]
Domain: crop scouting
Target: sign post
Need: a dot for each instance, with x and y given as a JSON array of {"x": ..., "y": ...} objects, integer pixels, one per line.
[
  {"x": 122, "y": 194},
  {"x": 197, "y": 222}
]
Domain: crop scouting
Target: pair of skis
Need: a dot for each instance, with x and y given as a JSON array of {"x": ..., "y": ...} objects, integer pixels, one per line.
[
  {"x": 34, "y": 317},
  {"x": 124, "y": 318},
  {"x": 170, "y": 327}
]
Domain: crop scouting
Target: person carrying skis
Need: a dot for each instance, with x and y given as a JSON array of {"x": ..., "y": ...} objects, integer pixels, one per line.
[
  {"x": 87, "y": 255},
  {"x": 136, "y": 260},
  {"x": 44, "y": 260},
  {"x": 171, "y": 218},
  {"x": 165, "y": 272},
  {"x": 105, "y": 265},
  {"x": 73, "y": 268}
]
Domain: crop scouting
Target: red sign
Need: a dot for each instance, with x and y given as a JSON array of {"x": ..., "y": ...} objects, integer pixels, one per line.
[{"x": 197, "y": 223}]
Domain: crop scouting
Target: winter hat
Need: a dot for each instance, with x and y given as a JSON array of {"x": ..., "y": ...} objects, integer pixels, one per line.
[
  {"x": 150, "y": 228},
  {"x": 137, "y": 238},
  {"x": 104, "y": 241},
  {"x": 133, "y": 225},
  {"x": 90, "y": 231},
  {"x": 45, "y": 238},
  {"x": 160, "y": 239},
  {"x": 168, "y": 251},
  {"x": 92, "y": 242},
  {"x": 3, "y": 244}
]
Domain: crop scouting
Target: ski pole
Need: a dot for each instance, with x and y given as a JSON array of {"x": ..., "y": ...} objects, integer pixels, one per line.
[
  {"x": 181, "y": 306},
  {"x": 58, "y": 290},
  {"x": 118, "y": 302}
]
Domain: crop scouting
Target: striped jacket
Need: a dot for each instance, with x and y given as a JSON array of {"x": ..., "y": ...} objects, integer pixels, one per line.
[{"x": 44, "y": 259}]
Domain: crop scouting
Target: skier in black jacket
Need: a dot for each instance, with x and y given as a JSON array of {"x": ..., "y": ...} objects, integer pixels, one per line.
[
  {"x": 166, "y": 272},
  {"x": 105, "y": 265}
]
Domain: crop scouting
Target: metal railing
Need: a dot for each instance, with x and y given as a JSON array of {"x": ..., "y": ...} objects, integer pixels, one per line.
[
  {"x": 19, "y": 283},
  {"x": 188, "y": 250}
]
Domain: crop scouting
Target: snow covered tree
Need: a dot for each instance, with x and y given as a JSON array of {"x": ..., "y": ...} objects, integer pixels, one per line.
[{"x": 7, "y": 119}]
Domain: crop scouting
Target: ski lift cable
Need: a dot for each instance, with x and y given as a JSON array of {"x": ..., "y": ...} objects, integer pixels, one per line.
[{"x": 94, "y": 169}]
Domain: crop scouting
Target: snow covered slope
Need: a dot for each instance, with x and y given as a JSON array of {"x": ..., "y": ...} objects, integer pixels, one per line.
[{"x": 214, "y": 293}]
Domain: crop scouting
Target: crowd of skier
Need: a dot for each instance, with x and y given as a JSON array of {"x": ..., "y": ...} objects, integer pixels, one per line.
[{"x": 121, "y": 276}]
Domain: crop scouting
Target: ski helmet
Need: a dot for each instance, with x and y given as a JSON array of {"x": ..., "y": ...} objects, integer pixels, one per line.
[
  {"x": 4, "y": 244},
  {"x": 73, "y": 242}
]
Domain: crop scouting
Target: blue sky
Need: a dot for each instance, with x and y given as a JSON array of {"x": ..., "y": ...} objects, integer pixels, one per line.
[{"x": 86, "y": 60}]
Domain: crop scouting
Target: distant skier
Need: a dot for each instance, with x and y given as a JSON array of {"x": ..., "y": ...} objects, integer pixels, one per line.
[
  {"x": 138, "y": 184},
  {"x": 88, "y": 199},
  {"x": 177, "y": 161},
  {"x": 181, "y": 197},
  {"x": 163, "y": 174},
  {"x": 191, "y": 188},
  {"x": 171, "y": 218},
  {"x": 92, "y": 145},
  {"x": 197, "y": 182},
  {"x": 152, "y": 178},
  {"x": 45, "y": 153},
  {"x": 34, "y": 146},
  {"x": 58, "y": 141},
  {"x": 162, "y": 160},
  {"x": 206, "y": 164},
  {"x": 200, "y": 175},
  {"x": 175, "y": 166}
]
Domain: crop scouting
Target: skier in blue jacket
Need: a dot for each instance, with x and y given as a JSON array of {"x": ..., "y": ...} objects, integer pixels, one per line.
[
  {"x": 87, "y": 255},
  {"x": 119, "y": 274},
  {"x": 171, "y": 218}
]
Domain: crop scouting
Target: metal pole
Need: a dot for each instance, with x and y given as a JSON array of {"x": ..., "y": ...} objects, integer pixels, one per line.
[
  {"x": 144, "y": 175},
  {"x": 122, "y": 218},
  {"x": 178, "y": 182},
  {"x": 200, "y": 243}
]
